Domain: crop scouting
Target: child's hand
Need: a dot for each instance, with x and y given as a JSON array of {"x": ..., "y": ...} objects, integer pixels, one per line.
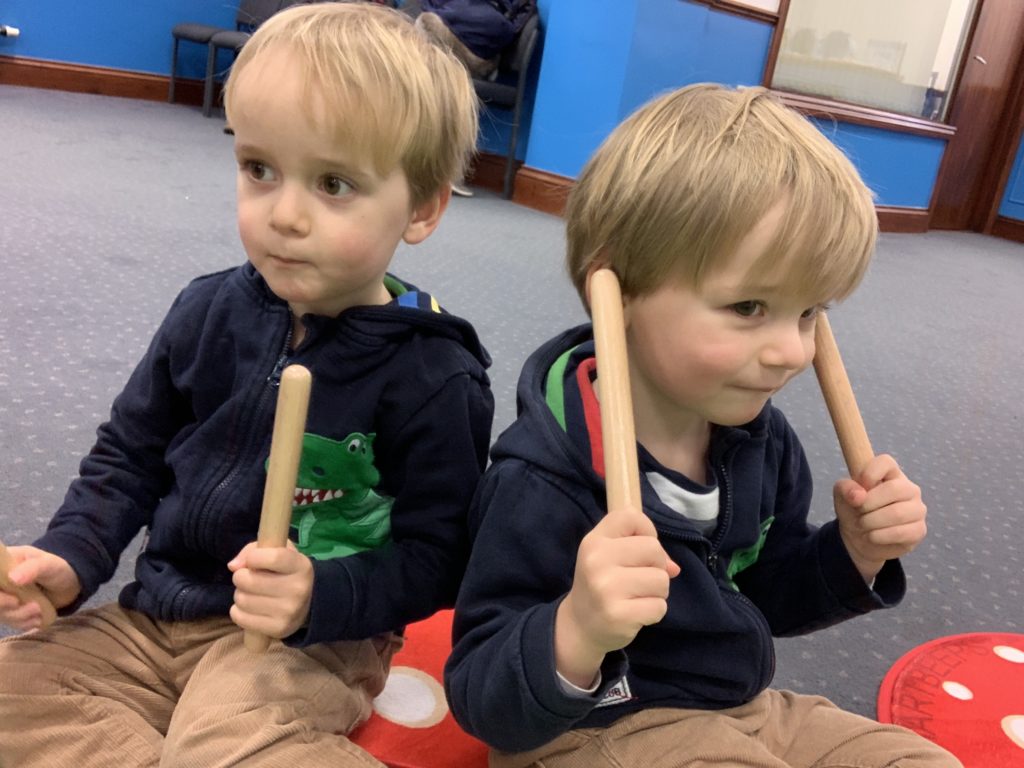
[
  {"x": 273, "y": 589},
  {"x": 620, "y": 585},
  {"x": 880, "y": 518},
  {"x": 47, "y": 571}
]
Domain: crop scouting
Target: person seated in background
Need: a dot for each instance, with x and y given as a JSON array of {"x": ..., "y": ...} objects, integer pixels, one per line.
[{"x": 476, "y": 31}]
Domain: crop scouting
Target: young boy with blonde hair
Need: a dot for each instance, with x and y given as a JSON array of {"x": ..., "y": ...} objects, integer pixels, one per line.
[
  {"x": 348, "y": 127},
  {"x": 645, "y": 639}
]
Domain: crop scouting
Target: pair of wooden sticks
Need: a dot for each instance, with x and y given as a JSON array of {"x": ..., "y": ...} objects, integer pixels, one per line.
[{"x": 622, "y": 474}]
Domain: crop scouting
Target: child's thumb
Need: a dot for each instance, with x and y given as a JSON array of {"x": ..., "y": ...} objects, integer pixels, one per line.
[{"x": 26, "y": 572}]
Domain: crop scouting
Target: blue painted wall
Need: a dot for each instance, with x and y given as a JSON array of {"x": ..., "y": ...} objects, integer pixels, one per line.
[
  {"x": 603, "y": 60},
  {"x": 901, "y": 168},
  {"x": 120, "y": 34},
  {"x": 1013, "y": 201},
  {"x": 597, "y": 62}
]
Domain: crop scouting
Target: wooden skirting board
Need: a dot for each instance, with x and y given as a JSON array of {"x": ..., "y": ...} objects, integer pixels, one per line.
[
  {"x": 534, "y": 188},
  {"x": 544, "y": 191},
  {"x": 1011, "y": 229},
  {"x": 103, "y": 81}
]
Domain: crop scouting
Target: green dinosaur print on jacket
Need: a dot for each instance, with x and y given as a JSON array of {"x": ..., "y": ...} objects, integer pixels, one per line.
[
  {"x": 336, "y": 510},
  {"x": 744, "y": 558}
]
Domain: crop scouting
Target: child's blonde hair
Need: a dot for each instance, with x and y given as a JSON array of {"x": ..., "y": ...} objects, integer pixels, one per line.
[
  {"x": 388, "y": 91},
  {"x": 677, "y": 185}
]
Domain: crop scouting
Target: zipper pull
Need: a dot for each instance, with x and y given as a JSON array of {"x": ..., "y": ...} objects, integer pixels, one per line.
[
  {"x": 712, "y": 562},
  {"x": 275, "y": 375}
]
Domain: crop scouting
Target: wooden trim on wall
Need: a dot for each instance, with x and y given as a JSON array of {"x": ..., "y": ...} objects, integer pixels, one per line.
[
  {"x": 541, "y": 190},
  {"x": 533, "y": 188},
  {"x": 1004, "y": 153},
  {"x": 1011, "y": 229},
  {"x": 548, "y": 192},
  {"x": 103, "y": 81},
  {"x": 741, "y": 9},
  {"x": 776, "y": 43},
  {"x": 815, "y": 106},
  {"x": 903, "y": 220}
]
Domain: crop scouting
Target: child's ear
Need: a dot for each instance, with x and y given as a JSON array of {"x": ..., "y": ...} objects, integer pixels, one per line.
[{"x": 426, "y": 216}]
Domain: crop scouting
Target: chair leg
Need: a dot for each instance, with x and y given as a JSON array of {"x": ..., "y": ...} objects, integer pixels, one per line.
[
  {"x": 510, "y": 163},
  {"x": 211, "y": 63},
  {"x": 174, "y": 67}
]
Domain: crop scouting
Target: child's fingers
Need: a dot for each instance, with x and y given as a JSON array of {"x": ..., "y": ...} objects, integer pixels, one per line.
[
  {"x": 640, "y": 612},
  {"x": 628, "y": 544},
  {"x": 627, "y": 522},
  {"x": 898, "y": 534},
  {"x": 892, "y": 515},
  {"x": 849, "y": 492},
  {"x": 646, "y": 582},
  {"x": 881, "y": 468},
  {"x": 28, "y": 571},
  {"x": 276, "y": 559},
  {"x": 20, "y": 616}
]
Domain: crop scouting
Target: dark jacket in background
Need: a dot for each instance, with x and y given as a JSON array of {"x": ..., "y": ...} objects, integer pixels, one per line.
[{"x": 486, "y": 27}]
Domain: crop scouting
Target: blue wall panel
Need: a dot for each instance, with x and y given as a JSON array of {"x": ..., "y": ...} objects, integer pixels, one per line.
[
  {"x": 603, "y": 60},
  {"x": 586, "y": 53},
  {"x": 596, "y": 64},
  {"x": 1013, "y": 199},
  {"x": 120, "y": 34},
  {"x": 901, "y": 168}
]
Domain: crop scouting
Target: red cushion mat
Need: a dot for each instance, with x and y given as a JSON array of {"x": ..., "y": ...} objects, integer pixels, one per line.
[
  {"x": 411, "y": 726},
  {"x": 965, "y": 693}
]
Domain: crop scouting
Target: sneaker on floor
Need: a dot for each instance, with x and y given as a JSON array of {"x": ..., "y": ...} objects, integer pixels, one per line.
[{"x": 461, "y": 191}]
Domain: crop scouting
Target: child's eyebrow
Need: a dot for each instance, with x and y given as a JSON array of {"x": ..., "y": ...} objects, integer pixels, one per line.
[
  {"x": 340, "y": 165},
  {"x": 246, "y": 149}
]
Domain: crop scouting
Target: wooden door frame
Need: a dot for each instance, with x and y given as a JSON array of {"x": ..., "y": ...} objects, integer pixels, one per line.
[{"x": 981, "y": 205}]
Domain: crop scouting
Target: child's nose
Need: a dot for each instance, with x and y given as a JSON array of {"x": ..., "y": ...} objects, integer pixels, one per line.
[
  {"x": 289, "y": 214},
  {"x": 788, "y": 347}
]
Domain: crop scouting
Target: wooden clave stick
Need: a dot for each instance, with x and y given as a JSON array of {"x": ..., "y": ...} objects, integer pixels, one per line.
[
  {"x": 839, "y": 399},
  {"x": 282, "y": 470},
  {"x": 618, "y": 433},
  {"x": 619, "y": 436},
  {"x": 27, "y": 594}
]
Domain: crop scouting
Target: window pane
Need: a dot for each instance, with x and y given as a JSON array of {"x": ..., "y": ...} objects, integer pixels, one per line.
[{"x": 897, "y": 55}]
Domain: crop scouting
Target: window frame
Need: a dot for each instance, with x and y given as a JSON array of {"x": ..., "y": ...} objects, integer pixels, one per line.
[{"x": 818, "y": 106}]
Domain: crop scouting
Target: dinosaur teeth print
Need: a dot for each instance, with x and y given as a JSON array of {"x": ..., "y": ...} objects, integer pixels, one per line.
[{"x": 305, "y": 496}]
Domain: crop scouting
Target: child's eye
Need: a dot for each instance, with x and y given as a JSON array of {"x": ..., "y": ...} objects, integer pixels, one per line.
[
  {"x": 257, "y": 171},
  {"x": 748, "y": 308},
  {"x": 335, "y": 186},
  {"x": 812, "y": 312}
]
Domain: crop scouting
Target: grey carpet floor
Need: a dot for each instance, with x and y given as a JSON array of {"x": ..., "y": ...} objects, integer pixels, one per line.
[{"x": 109, "y": 206}]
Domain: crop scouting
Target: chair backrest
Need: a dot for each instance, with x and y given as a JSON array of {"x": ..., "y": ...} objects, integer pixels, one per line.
[
  {"x": 517, "y": 56},
  {"x": 252, "y": 13}
]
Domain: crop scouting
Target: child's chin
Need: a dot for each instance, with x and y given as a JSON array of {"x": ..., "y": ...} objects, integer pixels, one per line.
[{"x": 739, "y": 416}]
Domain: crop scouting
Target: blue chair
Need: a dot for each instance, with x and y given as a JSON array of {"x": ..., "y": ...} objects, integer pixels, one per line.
[
  {"x": 506, "y": 90},
  {"x": 250, "y": 14}
]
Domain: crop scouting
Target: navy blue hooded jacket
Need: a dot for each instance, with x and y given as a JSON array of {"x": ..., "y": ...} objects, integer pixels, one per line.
[
  {"x": 486, "y": 27},
  {"x": 183, "y": 454},
  {"x": 763, "y": 571}
]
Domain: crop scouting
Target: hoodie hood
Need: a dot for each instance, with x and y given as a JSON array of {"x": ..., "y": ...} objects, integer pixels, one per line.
[
  {"x": 410, "y": 311},
  {"x": 555, "y": 451}
]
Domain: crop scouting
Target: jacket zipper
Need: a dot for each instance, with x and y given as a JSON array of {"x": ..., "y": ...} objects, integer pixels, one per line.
[
  {"x": 206, "y": 513},
  {"x": 712, "y": 564}
]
